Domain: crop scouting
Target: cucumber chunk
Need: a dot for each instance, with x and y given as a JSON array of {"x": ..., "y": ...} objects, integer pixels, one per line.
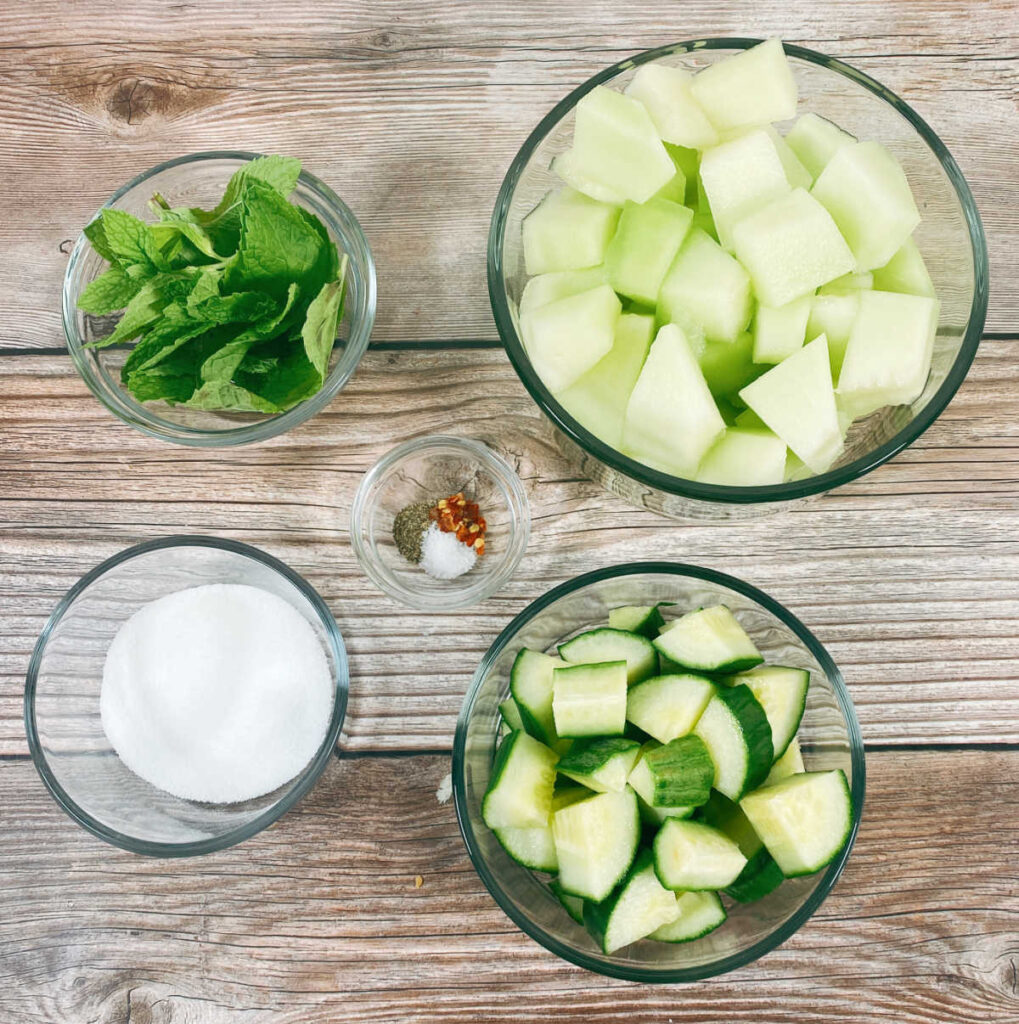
[
  {"x": 761, "y": 874},
  {"x": 589, "y": 700},
  {"x": 510, "y": 714},
  {"x": 736, "y": 732},
  {"x": 643, "y": 619},
  {"x": 574, "y": 904},
  {"x": 601, "y": 764},
  {"x": 523, "y": 779},
  {"x": 699, "y": 913},
  {"x": 760, "y": 877},
  {"x": 636, "y": 908},
  {"x": 804, "y": 821},
  {"x": 709, "y": 640},
  {"x": 692, "y": 856},
  {"x": 679, "y": 773},
  {"x": 531, "y": 687},
  {"x": 790, "y": 763},
  {"x": 782, "y": 692},
  {"x": 532, "y": 848},
  {"x": 668, "y": 706},
  {"x": 596, "y": 840},
  {"x": 599, "y": 645},
  {"x": 641, "y": 783}
]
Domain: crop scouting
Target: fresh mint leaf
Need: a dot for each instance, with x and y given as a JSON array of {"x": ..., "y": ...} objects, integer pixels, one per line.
[
  {"x": 206, "y": 286},
  {"x": 96, "y": 235},
  {"x": 108, "y": 292},
  {"x": 222, "y": 394},
  {"x": 319, "y": 331},
  {"x": 142, "y": 310},
  {"x": 280, "y": 173},
  {"x": 131, "y": 240},
  {"x": 159, "y": 343},
  {"x": 240, "y": 307}
]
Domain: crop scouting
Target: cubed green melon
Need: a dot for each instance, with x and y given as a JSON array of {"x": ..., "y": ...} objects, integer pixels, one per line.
[
  {"x": 728, "y": 366},
  {"x": 740, "y": 176},
  {"x": 687, "y": 163},
  {"x": 790, "y": 247},
  {"x": 905, "y": 272},
  {"x": 665, "y": 91},
  {"x": 616, "y": 144},
  {"x": 671, "y": 418},
  {"x": 567, "y": 231},
  {"x": 815, "y": 141},
  {"x": 744, "y": 458},
  {"x": 888, "y": 357},
  {"x": 865, "y": 190},
  {"x": 797, "y": 402},
  {"x": 753, "y": 88},
  {"x": 798, "y": 175},
  {"x": 779, "y": 331},
  {"x": 645, "y": 244},
  {"x": 546, "y": 288},
  {"x": 565, "y": 338},
  {"x": 565, "y": 165},
  {"x": 847, "y": 284},
  {"x": 598, "y": 399},
  {"x": 834, "y": 316},
  {"x": 707, "y": 284}
]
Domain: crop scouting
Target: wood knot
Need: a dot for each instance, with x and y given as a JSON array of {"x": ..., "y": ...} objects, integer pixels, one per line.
[
  {"x": 384, "y": 40},
  {"x": 131, "y": 101}
]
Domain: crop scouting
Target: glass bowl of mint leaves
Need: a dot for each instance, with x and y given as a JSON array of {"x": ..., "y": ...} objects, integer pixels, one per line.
[{"x": 219, "y": 299}]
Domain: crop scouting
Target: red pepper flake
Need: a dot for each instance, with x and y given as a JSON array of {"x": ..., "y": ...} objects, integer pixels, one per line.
[{"x": 457, "y": 515}]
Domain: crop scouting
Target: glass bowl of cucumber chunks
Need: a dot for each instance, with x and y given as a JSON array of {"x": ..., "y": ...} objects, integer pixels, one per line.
[
  {"x": 734, "y": 273},
  {"x": 658, "y": 772}
]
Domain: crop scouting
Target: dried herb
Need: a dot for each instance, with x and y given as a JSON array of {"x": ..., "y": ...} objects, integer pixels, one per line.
[{"x": 409, "y": 528}]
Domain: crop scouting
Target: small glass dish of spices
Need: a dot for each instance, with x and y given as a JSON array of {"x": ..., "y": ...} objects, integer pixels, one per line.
[{"x": 440, "y": 522}]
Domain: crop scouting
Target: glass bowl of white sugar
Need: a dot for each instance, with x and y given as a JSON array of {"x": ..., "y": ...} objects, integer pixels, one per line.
[{"x": 184, "y": 695}]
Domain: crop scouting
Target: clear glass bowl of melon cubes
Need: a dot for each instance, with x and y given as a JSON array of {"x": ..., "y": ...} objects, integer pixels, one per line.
[
  {"x": 703, "y": 732},
  {"x": 676, "y": 235}
]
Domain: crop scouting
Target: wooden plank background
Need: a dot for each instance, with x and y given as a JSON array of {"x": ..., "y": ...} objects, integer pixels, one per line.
[{"x": 412, "y": 111}]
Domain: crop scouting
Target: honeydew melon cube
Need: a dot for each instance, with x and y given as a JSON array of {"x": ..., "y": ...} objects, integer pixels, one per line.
[
  {"x": 729, "y": 366},
  {"x": 798, "y": 175},
  {"x": 753, "y": 88},
  {"x": 708, "y": 285},
  {"x": 834, "y": 316},
  {"x": 565, "y": 165},
  {"x": 795, "y": 399},
  {"x": 687, "y": 162},
  {"x": 744, "y": 458},
  {"x": 565, "y": 338},
  {"x": 645, "y": 244},
  {"x": 690, "y": 327},
  {"x": 779, "y": 331},
  {"x": 889, "y": 353},
  {"x": 790, "y": 247},
  {"x": 665, "y": 91},
  {"x": 615, "y": 144},
  {"x": 567, "y": 231},
  {"x": 546, "y": 288},
  {"x": 905, "y": 272},
  {"x": 739, "y": 176},
  {"x": 847, "y": 283},
  {"x": 865, "y": 190},
  {"x": 597, "y": 400},
  {"x": 815, "y": 140},
  {"x": 671, "y": 419}
]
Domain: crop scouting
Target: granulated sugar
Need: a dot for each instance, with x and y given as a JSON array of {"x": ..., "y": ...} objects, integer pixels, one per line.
[{"x": 217, "y": 693}]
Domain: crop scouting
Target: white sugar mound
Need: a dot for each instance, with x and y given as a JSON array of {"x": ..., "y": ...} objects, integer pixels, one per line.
[{"x": 217, "y": 693}]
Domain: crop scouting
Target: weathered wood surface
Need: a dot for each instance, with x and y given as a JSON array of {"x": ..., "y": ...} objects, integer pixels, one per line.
[
  {"x": 413, "y": 109},
  {"x": 910, "y": 577},
  {"x": 319, "y": 920}
]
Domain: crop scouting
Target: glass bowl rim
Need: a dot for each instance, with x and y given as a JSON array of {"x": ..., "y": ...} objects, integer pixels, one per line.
[
  {"x": 301, "y": 783},
  {"x": 125, "y": 408},
  {"x": 831, "y": 874},
  {"x": 723, "y": 493},
  {"x": 518, "y": 505}
]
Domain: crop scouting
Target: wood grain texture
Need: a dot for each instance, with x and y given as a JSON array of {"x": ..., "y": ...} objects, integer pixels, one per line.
[
  {"x": 318, "y": 919},
  {"x": 910, "y": 577},
  {"x": 413, "y": 110}
]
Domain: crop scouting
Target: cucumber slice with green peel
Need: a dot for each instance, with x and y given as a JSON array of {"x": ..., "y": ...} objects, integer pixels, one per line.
[
  {"x": 510, "y": 714},
  {"x": 641, "y": 782},
  {"x": 736, "y": 732},
  {"x": 590, "y": 699},
  {"x": 709, "y": 640},
  {"x": 666, "y": 707},
  {"x": 567, "y": 231},
  {"x": 639, "y": 905},
  {"x": 601, "y": 764},
  {"x": 504, "y": 730},
  {"x": 699, "y": 913},
  {"x": 790, "y": 763},
  {"x": 574, "y": 904},
  {"x": 531, "y": 687},
  {"x": 679, "y": 773},
  {"x": 804, "y": 821},
  {"x": 532, "y": 848},
  {"x": 782, "y": 692},
  {"x": 691, "y": 857},
  {"x": 596, "y": 840},
  {"x": 606, "y": 644},
  {"x": 545, "y": 288},
  {"x": 643, "y": 619},
  {"x": 760, "y": 877},
  {"x": 523, "y": 779}
]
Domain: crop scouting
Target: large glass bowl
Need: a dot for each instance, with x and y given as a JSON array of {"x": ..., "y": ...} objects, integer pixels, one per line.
[
  {"x": 199, "y": 180},
  {"x": 950, "y": 237},
  {"x": 829, "y": 736},
  {"x": 62, "y": 716}
]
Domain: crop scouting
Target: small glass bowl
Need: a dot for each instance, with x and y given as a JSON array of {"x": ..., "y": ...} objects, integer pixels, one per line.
[
  {"x": 199, "y": 180},
  {"x": 427, "y": 469},
  {"x": 829, "y": 738},
  {"x": 62, "y": 716},
  {"x": 950, "y": 237}
]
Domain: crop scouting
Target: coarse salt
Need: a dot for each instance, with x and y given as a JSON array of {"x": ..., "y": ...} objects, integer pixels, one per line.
[
  {"x": 217, "y": 693},
  {"x": 443, "y": 556}
]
